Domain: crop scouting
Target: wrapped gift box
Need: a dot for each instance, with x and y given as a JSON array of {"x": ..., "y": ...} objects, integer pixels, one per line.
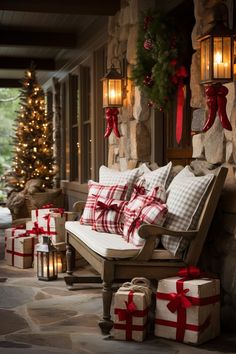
[
  {"x": 20, "y": 250},
  {"x": 130, "y": 315},
  {"x": 52, "y": 223},
  {"x": 13, "y": 231},
  {"x": 188, "y": 310}
]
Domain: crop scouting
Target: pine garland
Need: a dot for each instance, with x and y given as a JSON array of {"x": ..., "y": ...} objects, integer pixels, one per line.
[{"x": 157, "y": 59}]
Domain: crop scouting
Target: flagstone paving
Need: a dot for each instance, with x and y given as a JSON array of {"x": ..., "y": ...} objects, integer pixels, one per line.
[{"x": 38, "y": 317}]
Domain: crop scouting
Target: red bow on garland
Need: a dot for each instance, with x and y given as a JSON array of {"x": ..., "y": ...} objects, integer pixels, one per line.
[{"x": 216, "y": 102}]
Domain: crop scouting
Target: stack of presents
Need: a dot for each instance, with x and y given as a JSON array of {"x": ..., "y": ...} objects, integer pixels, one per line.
[
  {"x": 21, "y": 241},
  {"x": 185, "y": 308}
]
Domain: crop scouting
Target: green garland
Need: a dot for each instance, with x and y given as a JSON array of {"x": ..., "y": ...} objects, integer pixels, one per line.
[{"x": 157, "y": 59}]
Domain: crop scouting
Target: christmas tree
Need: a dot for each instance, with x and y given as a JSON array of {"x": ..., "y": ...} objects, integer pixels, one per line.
[{"x": 33, "y": 140}]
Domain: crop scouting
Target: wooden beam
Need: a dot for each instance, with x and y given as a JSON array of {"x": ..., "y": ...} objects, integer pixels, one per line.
[
  {"x": 34, "y": 38},
  {"x": 83, "y": 7},
  {"x": 24, "y": 63},
  {"x": 10, "y": 83}
]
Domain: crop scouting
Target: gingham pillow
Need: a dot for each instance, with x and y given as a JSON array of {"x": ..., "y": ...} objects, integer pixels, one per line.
[
  {"x": 154, "y": 213},
  {"x": 157, "y": 177},
  {"x": 95, "y": 190},
  {"x": 135, "y": 206},
  {"x": 185, "y": 199},
  {"x": 110, "y": 176},
  {"x": 108, "y": 215}
]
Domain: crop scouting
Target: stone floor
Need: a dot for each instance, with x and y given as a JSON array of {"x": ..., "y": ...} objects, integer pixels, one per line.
[{"x": 38, "y": 317}]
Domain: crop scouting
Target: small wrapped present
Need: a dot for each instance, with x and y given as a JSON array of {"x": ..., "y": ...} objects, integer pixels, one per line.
[
  {"x": 13, "y": 231},
  {"x": 20, "y": 250},
  {"x": 188, "y": 307},
  {"x": 131, "y": 306}
]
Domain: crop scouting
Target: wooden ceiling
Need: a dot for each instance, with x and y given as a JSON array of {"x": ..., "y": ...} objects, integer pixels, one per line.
[{"x": 44, "y": 31}]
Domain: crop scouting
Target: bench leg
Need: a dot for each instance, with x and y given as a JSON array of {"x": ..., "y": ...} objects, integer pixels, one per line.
[
  {"x": 69, "y": 258},
  {"x": 106, "y": 323}
]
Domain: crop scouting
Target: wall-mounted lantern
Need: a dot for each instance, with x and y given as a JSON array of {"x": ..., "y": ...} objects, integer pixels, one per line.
[
  {"x": 216, "y": 68},
  {"x": 113, "y": 95},
  {"x": 217, "y": 55}
]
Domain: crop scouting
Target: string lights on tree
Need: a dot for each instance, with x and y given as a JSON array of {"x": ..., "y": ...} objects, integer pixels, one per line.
[{"x": 33, "y": 140}]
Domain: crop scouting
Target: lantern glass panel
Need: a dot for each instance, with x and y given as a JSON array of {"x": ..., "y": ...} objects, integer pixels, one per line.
[
  {"x": 205, "y": 59},
  {"x": 115, "y": 92},
  {"x": 222, "y": 58},
  {"x": 105, "y": 92}
]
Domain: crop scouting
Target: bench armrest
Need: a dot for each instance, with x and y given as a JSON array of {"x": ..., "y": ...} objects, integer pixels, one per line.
[
  {"x": 79, "y": 206},
  {"x": 147, "y": 230},
  {"x": 151, "y": 232}
]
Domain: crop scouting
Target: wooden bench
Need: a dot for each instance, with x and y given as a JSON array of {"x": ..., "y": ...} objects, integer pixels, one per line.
[{"x": 146, "y": 262}]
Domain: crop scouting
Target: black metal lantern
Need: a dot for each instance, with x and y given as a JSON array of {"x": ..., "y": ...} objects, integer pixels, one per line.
[
  {"x": 217, "y": 54},
  {"x": 112, "y": 88},
  {"x": 46, "y": 260}
]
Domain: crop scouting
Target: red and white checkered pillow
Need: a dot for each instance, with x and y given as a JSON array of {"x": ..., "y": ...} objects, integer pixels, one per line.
[
  {"x": 137, "y": 211},
  {"x": 109, "y": 215},
  {"x": 97, "y": 190},
  {"x": 153, "y": 213}
]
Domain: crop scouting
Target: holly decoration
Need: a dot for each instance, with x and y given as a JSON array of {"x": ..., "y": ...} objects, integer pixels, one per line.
[{"x": 157, "y": 65}]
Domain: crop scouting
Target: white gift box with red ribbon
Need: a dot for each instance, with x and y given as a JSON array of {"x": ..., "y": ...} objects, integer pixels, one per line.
[
  {"x": 50, "y": 222},
  {"x": 13, "y": 231},
  {"x": 188, "y": 310},
  {"x": 20, "y": 250},
  {"x": 131, "y": 304}
]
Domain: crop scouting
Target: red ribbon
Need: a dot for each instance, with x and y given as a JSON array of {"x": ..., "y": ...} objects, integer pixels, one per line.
[
  {"x": 216, "y": 101},
  {"x": 179, "y": 302},
  {"x": 13, "y": 253},
  {"x": 181, "y": 74},
  {"x": 127, "y": 315},
  {"x": 112, "y": 122},
  {"x": 106, "y": 207}
]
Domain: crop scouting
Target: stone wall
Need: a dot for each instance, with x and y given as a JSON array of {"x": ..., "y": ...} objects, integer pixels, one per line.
[
  {"x": 134, "y": 146},
  {"x": 217, "y": 146}
]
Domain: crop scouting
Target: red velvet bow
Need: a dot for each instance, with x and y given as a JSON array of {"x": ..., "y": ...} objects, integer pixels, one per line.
[
  {"x": 179, "y": 300},
  {"x": 36, "y": 230},
  {"x": 130, "y": 307},
  {"x": 112, "y": 122},
  {"x": 105, "y": 207},
  {"x": 216, "y": 101},
  {"x": 135, "y": 224},
  {"x": 190, "y": 272},
  {"x": 139, "y": 189},
  {"x": 47, "y": 206}
]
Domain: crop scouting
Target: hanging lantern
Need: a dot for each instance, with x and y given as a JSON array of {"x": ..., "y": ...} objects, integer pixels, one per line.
[
  {"x": 46, "y": 260},
  {"x": 112, "y": 99},
  {"x": 217, "y": 54},
  {"x": 217, "y": 68},
  {"x": 112, "y": 88}
]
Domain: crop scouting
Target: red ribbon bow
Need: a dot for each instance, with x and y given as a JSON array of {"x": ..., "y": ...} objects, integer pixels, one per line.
[
  {"x": 216, "y": 102},
  {"x": 47, "y": 206},
  {"x": 112, "y": 122},
  {"x": 59, "y": 210},
  {"x": 135, "y": 224},
  {"x": 36, "y": 230},
  {"x": 179, "y": 300},
  {"x": 190, "y": 272},
  {"x": 106, "y": 207},
  {"x": 130, "y": 308}
]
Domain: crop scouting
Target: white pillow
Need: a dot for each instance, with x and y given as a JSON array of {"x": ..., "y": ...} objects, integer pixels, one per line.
[
  {"x": 109, "y": 176},
  {"x": 185, "y": 199},
  {"x": 157, "y": 177}
]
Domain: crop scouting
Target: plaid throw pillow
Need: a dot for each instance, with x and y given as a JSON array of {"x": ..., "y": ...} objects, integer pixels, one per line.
[
  {"x": 143, "y": 208},
  {"x": 158, "y": 177},
  {"x": 108, "y": 215},
  {"x": 110, "y": 177},
  {"x": 186, "y": 196},
  {"x": 95, "y": 190}
]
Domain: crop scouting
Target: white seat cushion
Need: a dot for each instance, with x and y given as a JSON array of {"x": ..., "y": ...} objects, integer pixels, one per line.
[{"x": 109, "y": 245}]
